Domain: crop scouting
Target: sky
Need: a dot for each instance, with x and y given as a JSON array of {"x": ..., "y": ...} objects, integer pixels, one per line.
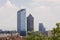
[{"x": 43, "y": 11}]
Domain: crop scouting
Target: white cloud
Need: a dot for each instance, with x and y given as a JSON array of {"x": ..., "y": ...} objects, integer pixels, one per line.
[
  {"x": 46, "y": 0},
  {"x": 9, "y": 4},
  {"x": 8, "y": 16}
]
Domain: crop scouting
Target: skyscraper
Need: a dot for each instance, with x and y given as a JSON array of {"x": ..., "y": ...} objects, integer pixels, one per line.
[
  {"x": 30, "y": 23},
  {"x": 41, "y": 28},
  {"x": 21, "y": 22}
]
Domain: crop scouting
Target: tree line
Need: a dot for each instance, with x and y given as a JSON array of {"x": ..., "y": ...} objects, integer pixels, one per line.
[{"x": 39, "y": 36}]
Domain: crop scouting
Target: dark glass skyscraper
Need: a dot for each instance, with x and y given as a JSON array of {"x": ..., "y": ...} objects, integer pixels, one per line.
[
  {"x": 21, "y": 22},
  {"x": 41, "y": 28},
  {"x": 30, "y": 23}
]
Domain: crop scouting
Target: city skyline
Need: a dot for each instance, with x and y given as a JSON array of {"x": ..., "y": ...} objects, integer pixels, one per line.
[{"x": 46, "y": 12}]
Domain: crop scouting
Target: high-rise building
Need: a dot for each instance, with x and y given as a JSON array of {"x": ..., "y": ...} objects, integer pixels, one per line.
[
  {"x": 21, "y": 22},
  {"x": 30, "y": 23},
  {"x": 41, "y": 28}
]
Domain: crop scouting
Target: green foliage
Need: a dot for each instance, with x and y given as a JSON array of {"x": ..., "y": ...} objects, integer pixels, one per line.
[
  {"x": 56, "y": 32},
  {"x": 35, "y": 36},
  {"x": 38, "y": 36}
]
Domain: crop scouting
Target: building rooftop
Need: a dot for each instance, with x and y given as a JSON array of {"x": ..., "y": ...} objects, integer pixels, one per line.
[
  {"x": 21, "y": 10},
  {"x": 30, "y": 16}
]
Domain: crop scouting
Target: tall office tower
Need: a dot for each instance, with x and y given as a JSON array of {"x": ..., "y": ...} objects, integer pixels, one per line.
[
  {"x": 41, "y": 28},
  {"x": 21, "y": 22},
  {"x": 30, "y": 23}
]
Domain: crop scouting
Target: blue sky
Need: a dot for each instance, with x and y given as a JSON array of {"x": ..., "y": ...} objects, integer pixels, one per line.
[{"x": 43, "y": 11}]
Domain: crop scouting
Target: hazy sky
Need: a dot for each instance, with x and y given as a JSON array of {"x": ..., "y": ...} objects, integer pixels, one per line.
[{"x": 43, "y": 11}]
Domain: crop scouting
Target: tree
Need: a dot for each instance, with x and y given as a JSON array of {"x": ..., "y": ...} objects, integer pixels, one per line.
[
  {"x": 56, "y": 32},
  {"x": 35, "y": 36}
]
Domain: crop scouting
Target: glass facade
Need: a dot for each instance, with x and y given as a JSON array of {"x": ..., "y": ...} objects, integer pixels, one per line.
[
  {"x": 21, "y": 22},
  {"x": 30, "y": 23},
  {"x": 41, "y": 28}
]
